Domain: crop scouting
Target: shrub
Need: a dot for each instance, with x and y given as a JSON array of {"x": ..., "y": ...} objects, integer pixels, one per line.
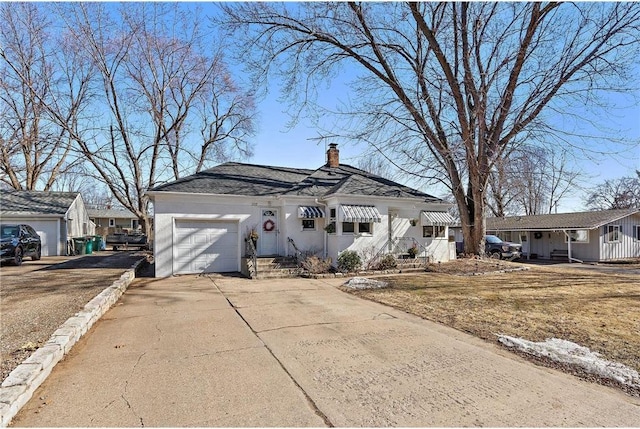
[
  {"x": 315, "y": 265},
  {"x": 349, "y": 261},
  {"x": 387, "y": 263}
]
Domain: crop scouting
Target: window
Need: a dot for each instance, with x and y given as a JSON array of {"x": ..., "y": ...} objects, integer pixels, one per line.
[
  {"x": 433, "y": 231},
  {"x": 350, "y": 227},
  {"x": 112, "y": 223},
  {"x": 577, "y": 236},
  {"x": 332, "y": 213},
  {"x": 134, "y": 223},
  {"x": 612, "y": 233},
  {"x": 636, "y": 232},
  {"x": 308, "y": 224},
  {"x": 364, "y": 228}
]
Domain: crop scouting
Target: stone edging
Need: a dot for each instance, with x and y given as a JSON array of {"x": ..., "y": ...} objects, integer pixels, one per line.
[{"x": 21, "y": 383}]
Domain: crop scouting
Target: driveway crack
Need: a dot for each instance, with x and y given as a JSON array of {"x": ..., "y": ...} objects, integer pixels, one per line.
[
  {"x": 126, "y": 387},
  {"x": 310, "y": 400}
]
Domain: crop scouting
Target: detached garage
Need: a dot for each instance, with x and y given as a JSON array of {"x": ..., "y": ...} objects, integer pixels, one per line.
[
  {"x": 202, "y": 246},
  {"x": 56, "y": 216}
]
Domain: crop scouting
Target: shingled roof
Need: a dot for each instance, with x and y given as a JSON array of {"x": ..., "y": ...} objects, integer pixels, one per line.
[
  {"x": 111, "y": 213},
  {"x": 579, "y": 220},
  {"x": 35, "y": 203},
  {"x": 232, "y": 178}
]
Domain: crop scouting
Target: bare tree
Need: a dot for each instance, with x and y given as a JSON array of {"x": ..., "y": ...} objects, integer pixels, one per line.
[
  {"x": 531, "y": 180},
  {"x": 622, "y": 193},
  {"x": 34, "y": 148},
  {"x": 163, "y": 101},
  {"x": 376, "y": 163},
  {"x": 446, "y": 88}
]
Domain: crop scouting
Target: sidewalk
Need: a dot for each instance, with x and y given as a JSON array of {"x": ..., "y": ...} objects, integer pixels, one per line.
[{"x": 199, "y": 351}]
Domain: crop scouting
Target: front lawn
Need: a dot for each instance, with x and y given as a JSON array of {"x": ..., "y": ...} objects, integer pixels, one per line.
[{"x": 596, "y": 310}]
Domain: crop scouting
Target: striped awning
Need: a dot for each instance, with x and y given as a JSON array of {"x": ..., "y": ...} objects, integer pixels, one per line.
[
  {"x": 360, "y": 214},
  {"x": 438, "y": 219},
  {"x": 310, "y": 212}
]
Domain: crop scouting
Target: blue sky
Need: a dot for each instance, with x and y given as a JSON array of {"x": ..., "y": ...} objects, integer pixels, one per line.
[{"x": 275, "y": 145}]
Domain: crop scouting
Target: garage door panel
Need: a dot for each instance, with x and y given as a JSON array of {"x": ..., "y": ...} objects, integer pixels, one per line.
[{"x": 205, "y": 247}]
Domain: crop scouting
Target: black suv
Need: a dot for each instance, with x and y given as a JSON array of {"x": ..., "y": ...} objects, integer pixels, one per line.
[
  {"x": 19, "y": 241},
  {"x": 494, "y": 247}
]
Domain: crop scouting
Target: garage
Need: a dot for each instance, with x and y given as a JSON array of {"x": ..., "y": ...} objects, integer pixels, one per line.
[
  {"x": 46, "y": 229},
  {"x": 205, "y": 247}
]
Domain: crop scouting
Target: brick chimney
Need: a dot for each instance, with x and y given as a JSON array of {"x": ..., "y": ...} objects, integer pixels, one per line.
[{"x": 333, "y": 156}]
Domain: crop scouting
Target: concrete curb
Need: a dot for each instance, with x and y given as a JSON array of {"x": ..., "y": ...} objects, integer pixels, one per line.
[{"x": 22, "y": 382}]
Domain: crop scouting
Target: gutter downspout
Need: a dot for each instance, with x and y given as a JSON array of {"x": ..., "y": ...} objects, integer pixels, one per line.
[
  {"x": 325, "y": 235},
  {"x": 569, "y": 255}
]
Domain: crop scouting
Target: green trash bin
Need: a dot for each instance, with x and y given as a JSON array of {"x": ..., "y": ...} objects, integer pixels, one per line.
[
  {"x": 78, "y": 246},
  {"x": 88, "y": 246},
  {"x": 97, "y": 243}
]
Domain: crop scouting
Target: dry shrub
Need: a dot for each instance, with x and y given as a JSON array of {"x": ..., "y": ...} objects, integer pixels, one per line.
[
  {"x": 315, "y": 265},
  {"x": 388, "y": 262}
]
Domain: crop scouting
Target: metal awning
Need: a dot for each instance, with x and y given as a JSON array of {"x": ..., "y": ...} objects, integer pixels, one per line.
[
  {"x": 310, "y": 212},
  {"x": 360, "y": 214},
  {"x": 438, "y": 219}
]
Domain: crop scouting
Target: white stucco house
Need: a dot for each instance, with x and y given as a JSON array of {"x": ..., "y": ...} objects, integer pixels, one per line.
[
  {"x": 593, "y": 236},
  {"x": 202, "y": 221},
  {"x": 57, "y": 217}
]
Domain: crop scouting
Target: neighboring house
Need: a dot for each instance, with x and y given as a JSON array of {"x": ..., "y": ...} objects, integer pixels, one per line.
[
  {"x": 57, "y": 217},
  {"x": 109, "y": 221},
  {"x": 202, "y": 221},
  {"x": 595, "y": 236}
]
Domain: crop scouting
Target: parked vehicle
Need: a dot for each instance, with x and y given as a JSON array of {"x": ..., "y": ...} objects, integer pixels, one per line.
[
  {"x": 19, "y": 241},
  {"x": 495, "y": 248},
  {"x": 126, "y": 240}
]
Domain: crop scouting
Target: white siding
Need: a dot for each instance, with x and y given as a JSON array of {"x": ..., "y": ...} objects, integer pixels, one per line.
[
  {"x": 77, "y": 219},
  {"x": 247, "y": 213},
  {"x": 627, "y": 246}
]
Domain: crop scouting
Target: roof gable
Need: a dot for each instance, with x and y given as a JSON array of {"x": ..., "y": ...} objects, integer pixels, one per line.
[
  {"x": 579, "y": 220},
  {"x": 25, "y": 203},
  {"x": 233, "y": 178}
]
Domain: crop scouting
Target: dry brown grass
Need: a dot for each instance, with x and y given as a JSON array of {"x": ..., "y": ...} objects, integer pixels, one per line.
[{"x": 597, "y": 310}]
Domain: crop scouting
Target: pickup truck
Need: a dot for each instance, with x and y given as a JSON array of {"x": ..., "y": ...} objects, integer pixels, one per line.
[
  {"x": 127, "y": 240},
  {"x": 495, "y": 248}
]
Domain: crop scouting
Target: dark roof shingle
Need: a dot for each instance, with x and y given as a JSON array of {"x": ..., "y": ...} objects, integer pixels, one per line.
[
  {"x": 232, "y": 178},
  {"x": 26, "y": 203},
  {"x": 578, "y": 220}
]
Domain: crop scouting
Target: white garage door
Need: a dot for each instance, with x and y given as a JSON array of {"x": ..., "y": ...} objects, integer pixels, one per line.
[
  {"x": 205, "y": 247},
  {"x": 46, "y": 229}
]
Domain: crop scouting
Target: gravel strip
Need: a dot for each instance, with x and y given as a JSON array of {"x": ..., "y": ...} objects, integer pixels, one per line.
[{"x": 37, "y": 297}]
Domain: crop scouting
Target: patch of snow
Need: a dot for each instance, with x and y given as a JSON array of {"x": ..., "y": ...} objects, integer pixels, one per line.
[
  {"x": 364, "y": 283},
  {"x": 575, "y": 354}
]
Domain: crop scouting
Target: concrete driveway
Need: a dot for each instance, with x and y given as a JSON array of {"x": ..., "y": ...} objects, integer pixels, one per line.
[{"x": 215, "y": 351}]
